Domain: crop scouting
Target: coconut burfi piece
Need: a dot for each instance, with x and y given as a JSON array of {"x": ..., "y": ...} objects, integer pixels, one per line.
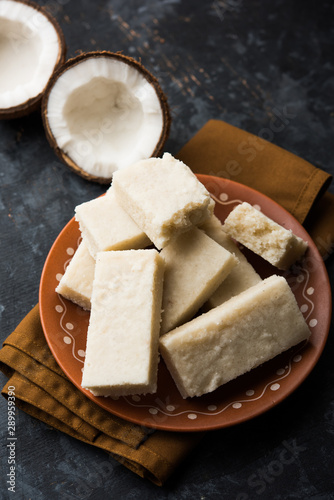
[
  {"x": 123, "y": 332},
  {"x": 77, "y": 282},
  {"x": 106, "y": 226},
  {"x": 195, "y": 265},
  {"x": 233, "y": 338},
  {"x": 163, "y": 196},
  {"x": 241, "y": 276},
  {"x": 263, "y": 236}
]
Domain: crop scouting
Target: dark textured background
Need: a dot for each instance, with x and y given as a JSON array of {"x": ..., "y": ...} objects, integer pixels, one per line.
[{"x": 235, "y": 60}]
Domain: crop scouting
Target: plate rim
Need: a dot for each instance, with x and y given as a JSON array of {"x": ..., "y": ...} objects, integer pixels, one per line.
[{"x": 200, "y": 428}]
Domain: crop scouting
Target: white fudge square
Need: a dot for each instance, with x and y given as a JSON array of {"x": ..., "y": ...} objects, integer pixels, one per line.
[
  {"x": 263, "y": 236},
  {"x": 241, "y": 276},
  {"x": 77, "y": 282},
  {"x": 106, "y": 226},
  {"x": 163, "y": 196},
  {"x": 233, "y": 338},
  {"x": 123, "y": 332},
  {"x": 195, "y": 265}
]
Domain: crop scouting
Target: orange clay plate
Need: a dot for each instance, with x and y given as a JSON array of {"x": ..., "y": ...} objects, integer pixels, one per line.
[{"x": 65, "y": 327}]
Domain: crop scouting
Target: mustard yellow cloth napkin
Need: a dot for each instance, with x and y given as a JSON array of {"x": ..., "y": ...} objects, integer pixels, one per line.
[{"x": 43, "y": 390}]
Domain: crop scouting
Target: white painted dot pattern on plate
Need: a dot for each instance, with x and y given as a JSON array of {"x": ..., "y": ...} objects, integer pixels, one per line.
[
  {"x": 212, "y": 407},
  {"x": 223, "y": 196},
  {"x": 275, "y": 387}
]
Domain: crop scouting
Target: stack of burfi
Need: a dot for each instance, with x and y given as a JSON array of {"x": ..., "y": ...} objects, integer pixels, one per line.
[
  {"x": 135, "y": 293},
  {"x": 152, "y": 255}
]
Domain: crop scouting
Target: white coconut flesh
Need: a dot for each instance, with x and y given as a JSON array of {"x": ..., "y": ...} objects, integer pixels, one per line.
[
  {"x": 29, "y": 49},
  {"x": 104, "y": 114}
]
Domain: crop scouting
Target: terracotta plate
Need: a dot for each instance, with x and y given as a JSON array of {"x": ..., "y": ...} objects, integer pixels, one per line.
[{"x": 65, "y": 328}]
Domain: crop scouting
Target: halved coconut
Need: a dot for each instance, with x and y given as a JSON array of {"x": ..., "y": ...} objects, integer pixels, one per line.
[
  {"x": 32, "y": 45},
  {"x": 103, "y": 111}
]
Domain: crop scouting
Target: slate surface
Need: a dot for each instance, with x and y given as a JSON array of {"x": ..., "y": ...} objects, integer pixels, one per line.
[{"x": 234, "y": 60}]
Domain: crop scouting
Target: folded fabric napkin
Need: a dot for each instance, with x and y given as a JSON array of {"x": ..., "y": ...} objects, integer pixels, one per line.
[{"x": 42, "y": 389}]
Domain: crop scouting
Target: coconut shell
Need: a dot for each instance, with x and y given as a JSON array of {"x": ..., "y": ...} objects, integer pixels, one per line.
[
  {"x": 34, "y": 103},
  {"x": 124, "y": 59}
]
